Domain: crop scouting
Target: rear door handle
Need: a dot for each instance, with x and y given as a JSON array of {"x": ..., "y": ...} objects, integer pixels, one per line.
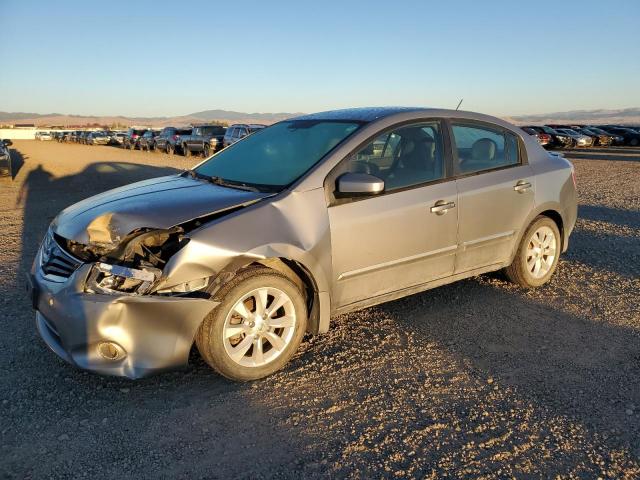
[
  {"x": 522, "y": 186},
  {"x": 441, "y": 207}
]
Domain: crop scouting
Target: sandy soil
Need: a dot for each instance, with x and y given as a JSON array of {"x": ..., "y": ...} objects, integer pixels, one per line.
[{"x": 475, "y": 379}]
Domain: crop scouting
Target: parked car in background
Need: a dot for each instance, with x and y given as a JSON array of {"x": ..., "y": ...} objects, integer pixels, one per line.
[
  {"x": 98, "y": 138},
  {"x": 170, "y": 138},
  {"x": 132, "y": 138},
  {"x": 43, "y": 136},
  {"x": 240, "y": 130},
  {"x": 580, "y": 140},
  {"x": 75, "y": 136},
  {"x": 204, "y": 139},
  {"x": 256, "y": 246},
  {"x": 615, "y": 138},
  {"x": 629, "y": 136},
  {"x": 599, "y": 139},
  {"x": 5, "y": 157},
  {"x": 558, "y": 140},
  {"x": 544, "y": 139},
  {"x": 117, "y": 138},
  {"x": 147, "y": 140}
]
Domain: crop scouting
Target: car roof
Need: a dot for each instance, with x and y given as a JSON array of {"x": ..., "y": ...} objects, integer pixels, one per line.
[
  {"x": 371, "y": 114},
  {"x": 364, "y": 114}
]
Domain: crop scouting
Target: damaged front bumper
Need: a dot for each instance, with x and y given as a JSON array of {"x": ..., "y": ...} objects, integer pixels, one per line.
[{"x": 131, "y": 336}]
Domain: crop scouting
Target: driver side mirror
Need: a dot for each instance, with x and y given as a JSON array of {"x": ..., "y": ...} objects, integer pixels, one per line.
[
  {"x": 7, "y": 142},
  {"x": 359, "y": 184}
]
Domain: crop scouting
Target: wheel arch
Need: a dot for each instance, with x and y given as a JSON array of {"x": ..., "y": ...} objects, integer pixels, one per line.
[
  {"x": 317, "y": 299},
  {"x": 551, "y": 211}
]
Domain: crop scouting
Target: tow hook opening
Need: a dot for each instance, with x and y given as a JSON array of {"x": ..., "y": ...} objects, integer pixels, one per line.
[{"x": 111, "y": 351}]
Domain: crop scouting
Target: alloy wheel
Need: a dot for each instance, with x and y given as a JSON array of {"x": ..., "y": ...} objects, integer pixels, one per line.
[
  {"x": 541, "y": 252},
  {"x": 259, "y": 327}
]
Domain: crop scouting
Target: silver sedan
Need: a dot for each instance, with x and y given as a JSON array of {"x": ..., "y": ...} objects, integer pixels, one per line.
[{"x": 309, "y": 218}]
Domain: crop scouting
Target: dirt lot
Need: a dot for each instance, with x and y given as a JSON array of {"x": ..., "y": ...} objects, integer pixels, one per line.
[{"x": 475, "y": 379}]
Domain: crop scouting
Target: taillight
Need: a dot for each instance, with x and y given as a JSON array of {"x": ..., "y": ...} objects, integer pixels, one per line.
[{"x": 175, "y": 137}]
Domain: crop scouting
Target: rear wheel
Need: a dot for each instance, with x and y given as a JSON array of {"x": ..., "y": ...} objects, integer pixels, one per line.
[
  {"x": 206, "y": 150},
  {"x": 187, "y": 152},
  {"x": 634, "y": 142},
  {"x": 257, "y": 327},
  {"x": 537, "y": 255}
]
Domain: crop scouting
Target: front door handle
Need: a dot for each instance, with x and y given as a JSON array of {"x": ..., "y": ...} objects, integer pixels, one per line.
[
  {"x": 522, "y": 186},
  {"x": 441, "y": 207}
]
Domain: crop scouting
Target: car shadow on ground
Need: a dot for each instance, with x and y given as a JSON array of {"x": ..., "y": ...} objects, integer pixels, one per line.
[
  {"x": 17, "y": 161},
  {"x": 617, "y": 216},
  {"x": 625, "y": 154}
]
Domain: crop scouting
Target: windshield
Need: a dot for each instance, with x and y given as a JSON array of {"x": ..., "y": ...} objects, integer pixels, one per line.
[
  {"x": 276, "y": 156},
  {"x": 548, "y": 130}
]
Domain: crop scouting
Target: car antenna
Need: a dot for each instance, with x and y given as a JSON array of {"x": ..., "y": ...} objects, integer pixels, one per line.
[{"x": 459, "y": 103}]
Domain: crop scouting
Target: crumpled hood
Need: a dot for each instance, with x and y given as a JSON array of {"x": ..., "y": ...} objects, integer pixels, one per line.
[{"x": 158, "y": 203}]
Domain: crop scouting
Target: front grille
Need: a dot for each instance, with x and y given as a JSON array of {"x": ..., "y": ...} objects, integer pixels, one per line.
[{"x": 56, "y": 261}]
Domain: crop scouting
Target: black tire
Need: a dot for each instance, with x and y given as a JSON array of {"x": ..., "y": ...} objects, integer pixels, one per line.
[
  {"x": 210, "y": 334},
  {"x": 187, "y": 152},
  {"x": 518, "y": 271},
  {"x": 206, "y": 150},
  {"x": 634, "y": 142},
  {"x": 169, "y": 149}
]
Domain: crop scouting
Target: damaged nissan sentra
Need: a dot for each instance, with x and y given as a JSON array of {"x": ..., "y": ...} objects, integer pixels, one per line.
[{"x": 311, "y": 217}]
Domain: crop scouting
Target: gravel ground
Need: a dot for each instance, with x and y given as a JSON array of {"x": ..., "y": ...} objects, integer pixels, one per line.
[{"x": 476, "y": 379}]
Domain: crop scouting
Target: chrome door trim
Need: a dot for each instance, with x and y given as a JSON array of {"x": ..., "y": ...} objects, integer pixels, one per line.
[{"x": 379, "y": 266}]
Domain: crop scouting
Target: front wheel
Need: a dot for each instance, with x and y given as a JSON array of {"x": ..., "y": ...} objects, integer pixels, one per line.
[
  {"x": 257, "y": 327},
  {"x": 206, "y": 151},
  {"x": 169, "y": 149},
  {"x": 537, "y": 255}
]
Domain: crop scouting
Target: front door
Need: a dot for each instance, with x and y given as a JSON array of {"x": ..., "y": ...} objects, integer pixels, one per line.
[{"x": 405, "y": 236}]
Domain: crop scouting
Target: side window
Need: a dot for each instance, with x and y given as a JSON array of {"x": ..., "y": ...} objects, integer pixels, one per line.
[
  {"x": 242, "y": 132},
  {"x": 484, "y": 148},
  {"x": 410, "y": 155}
]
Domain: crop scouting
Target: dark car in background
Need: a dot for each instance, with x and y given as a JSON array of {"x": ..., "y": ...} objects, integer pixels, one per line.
[
  {"x": 132, "y": 138},
  {"x": 5, "y": 157},
  {"x": 147, "y": 140},
  {"x": 544, "y": 139},
  {"x": 240, "y": 130},
  {"x": 558, "y": 140},
  {"x": 629, "y": 135},
  {"x": 204, "y": 139},
  {"x": 615, "y": 138},
  {"x": 170, "y": 138}
]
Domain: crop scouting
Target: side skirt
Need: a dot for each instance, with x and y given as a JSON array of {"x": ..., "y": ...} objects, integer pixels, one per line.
[{"x": 387, "y": 297}]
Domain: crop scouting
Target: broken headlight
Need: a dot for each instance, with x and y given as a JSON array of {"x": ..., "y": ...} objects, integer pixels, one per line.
[
  {"x": 186, "y": 287},
  {"x": 119, "y": 280}
]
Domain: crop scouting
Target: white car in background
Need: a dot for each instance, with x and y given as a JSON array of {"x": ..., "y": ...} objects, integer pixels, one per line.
[{"x": 43, "y": 136}]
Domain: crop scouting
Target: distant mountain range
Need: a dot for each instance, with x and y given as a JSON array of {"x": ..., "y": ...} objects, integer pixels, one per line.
[
  {"x": 226, "y": 116},
  {"x": 629, "y": 116},
  {"x": 623, "y": 116}
]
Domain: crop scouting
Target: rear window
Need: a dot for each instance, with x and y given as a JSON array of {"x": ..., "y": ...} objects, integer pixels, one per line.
[{"x": 213, "y": 130}]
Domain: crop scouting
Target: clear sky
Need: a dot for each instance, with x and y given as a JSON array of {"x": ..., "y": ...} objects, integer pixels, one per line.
[{"x": 171, "y": 58}]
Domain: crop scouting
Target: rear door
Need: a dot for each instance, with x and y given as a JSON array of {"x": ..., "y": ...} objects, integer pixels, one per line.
[{"x": 495, "y": 192}]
